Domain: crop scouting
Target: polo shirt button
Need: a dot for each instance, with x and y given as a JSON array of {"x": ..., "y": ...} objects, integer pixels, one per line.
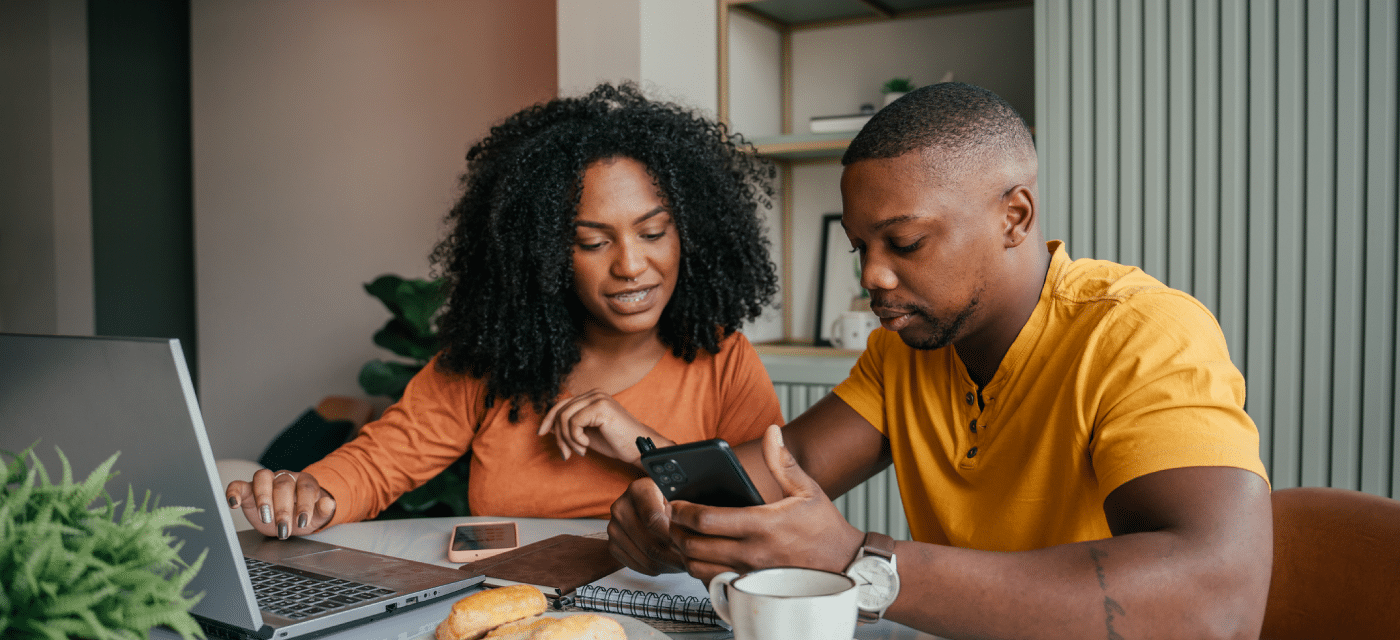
[
  {"x": 973, "y": 426},
  {"x": 971, "y": 398},
  {"x": 972, "y": 453}
]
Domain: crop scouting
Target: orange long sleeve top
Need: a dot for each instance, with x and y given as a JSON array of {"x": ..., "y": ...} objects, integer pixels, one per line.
[{"x": 515, "y": 473}]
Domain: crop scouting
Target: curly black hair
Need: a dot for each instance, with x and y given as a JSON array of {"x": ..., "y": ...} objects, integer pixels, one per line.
[{"x": 512, "y": 316}]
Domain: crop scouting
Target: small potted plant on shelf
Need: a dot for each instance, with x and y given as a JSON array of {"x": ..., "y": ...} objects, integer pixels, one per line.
[
  {"x": 894, "y": 88},
  {"x": 75, "y": 565}
]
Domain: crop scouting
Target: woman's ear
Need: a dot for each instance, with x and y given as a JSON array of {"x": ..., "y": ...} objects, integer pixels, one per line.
[{"x": 1020, "y": 208}]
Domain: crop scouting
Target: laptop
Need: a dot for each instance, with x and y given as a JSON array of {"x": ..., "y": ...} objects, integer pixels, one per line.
[{"x": 94, "y": 396}]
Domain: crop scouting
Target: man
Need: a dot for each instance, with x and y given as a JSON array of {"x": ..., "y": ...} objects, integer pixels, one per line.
[{"x": 1069, "y": 436}]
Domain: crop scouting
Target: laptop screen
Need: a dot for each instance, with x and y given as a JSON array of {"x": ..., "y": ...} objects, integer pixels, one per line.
[{"x": 91, "y": 397}]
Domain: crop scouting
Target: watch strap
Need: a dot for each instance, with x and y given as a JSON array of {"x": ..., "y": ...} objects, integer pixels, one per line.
[{"x": 879, "y": 545}]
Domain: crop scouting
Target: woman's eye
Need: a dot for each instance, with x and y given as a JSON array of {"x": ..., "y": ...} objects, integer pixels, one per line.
[
  {"x": 587, "y": 245},
  {"x": 654, "y": 236},
  {"x": 907, "y": 248}
]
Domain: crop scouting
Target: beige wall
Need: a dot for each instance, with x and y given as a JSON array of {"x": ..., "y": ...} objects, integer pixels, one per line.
[
  {"x": 45, "y": 198},
  {"x": 328, "y": 137}
]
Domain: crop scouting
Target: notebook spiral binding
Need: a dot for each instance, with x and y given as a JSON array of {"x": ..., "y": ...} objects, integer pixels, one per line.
[{"x": 646, "y": 604}]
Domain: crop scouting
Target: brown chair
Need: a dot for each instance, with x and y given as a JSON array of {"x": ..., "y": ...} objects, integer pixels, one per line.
[
  {"x": 1336, "y": 566},
  {"x": 353, "y": 410}
]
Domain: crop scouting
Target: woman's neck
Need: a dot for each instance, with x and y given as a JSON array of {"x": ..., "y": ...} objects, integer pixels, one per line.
[{"x": 613, "y": 362}]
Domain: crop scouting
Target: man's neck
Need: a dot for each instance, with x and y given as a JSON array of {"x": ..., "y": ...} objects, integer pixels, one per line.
[{"x": 982, "y": 352}]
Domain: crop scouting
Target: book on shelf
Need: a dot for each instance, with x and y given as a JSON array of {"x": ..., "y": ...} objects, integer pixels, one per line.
[{"x": 837, "y": 124}]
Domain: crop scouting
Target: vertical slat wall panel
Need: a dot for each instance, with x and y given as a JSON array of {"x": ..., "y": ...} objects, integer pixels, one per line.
[
  {"x": 1105, "y": 134},
  {"x": 1262, "y": 225},
  {"x": 1205, "y": 155},
  {"x": 1288, "y": 241},
  {"x": 1130, "y": 149},
  {"x": 1381, "y": 382},
  {"x": 1234, "y": 140},
  {"x": 1350, "y": 178},
  {"x": 1246, "y": 151},
  {"x": 1179, "y": 120},
  {"x": 875, "y": 504}
]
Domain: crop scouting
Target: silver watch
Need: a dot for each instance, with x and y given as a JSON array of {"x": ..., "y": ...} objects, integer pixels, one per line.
[{"x": 876, "y": 576}]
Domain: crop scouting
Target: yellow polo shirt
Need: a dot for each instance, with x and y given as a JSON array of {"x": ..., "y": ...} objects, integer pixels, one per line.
[{"x": 1114, "y": 376}]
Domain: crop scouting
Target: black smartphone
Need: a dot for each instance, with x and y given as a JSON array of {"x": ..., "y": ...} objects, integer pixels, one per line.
[{"x": 704, "y": 472}]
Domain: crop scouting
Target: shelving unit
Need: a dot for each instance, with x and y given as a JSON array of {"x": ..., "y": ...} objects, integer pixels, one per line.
[{"x": 788, "y": 149}]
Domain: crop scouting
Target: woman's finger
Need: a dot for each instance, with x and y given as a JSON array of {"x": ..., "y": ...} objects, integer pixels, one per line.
[
  {"x": 262, "y": 498},
  {"x": 284, "y": 501},
  {"x": 308, "y": 491}
]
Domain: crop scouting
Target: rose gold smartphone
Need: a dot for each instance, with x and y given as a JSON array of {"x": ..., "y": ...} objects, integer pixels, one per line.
[{"x": 472, "y": 541}]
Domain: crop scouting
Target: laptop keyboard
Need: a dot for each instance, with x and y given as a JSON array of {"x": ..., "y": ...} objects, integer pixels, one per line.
[{"x": 297, "y": 594}]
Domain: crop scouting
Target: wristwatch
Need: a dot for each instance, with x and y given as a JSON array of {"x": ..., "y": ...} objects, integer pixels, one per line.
[{"x": 876, "y": 576}]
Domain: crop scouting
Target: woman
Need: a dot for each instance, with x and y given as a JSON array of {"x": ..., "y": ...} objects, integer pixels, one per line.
[{"x": 603, "y": 254}]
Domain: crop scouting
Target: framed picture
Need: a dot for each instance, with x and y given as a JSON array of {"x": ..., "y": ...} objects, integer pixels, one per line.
[{"x": 839, "y": 283}]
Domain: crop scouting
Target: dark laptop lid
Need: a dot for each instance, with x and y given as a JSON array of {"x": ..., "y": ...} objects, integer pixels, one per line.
[{"x": 95, "y": 396}]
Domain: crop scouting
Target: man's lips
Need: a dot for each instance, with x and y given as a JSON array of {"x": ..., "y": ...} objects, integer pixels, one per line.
[{"x": 893, "y": 319}]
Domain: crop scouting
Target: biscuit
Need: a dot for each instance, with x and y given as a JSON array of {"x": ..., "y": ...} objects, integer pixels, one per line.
[{"x": 473, "y": 616}]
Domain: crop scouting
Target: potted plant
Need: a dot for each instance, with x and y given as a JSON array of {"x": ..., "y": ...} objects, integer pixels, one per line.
[
  {"x": 894, "y": 88},
  {"x": 76, "y": 564},
  {"x": 412, "y": 333}
]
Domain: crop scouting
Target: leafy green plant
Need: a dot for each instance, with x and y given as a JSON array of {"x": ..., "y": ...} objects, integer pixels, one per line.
[
  {"x": 74, "y": 565},
  {"x": 898, "y": 85},
  {"x": 412, "y": 333}
]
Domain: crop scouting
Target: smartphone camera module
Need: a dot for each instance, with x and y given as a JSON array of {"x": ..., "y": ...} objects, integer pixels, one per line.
[{"x": 668, "y": 473}]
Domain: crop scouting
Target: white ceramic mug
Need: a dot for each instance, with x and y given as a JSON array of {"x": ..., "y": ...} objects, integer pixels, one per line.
[
  {"x": 852, "y": 328},
  {"x": 786, "y": 603}
]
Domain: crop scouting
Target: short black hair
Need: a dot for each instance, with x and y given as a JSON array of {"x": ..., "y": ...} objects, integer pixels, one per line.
[
  {"x": 512, "y": 316},
  {"x": 952, "y": 117}
]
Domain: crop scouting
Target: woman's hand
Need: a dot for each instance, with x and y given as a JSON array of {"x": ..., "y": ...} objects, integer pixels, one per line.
[
  {"x": 282, "y": 504},
  {"x": 596, "y": 421}
]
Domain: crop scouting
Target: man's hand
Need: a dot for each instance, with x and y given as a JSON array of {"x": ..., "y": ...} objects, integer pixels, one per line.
[
  {"x": 596, "y": 421},
  {"x": 639, "y": 533},
  {"x": 282, "y": 504},
  {"x": 803, "y": 529}
]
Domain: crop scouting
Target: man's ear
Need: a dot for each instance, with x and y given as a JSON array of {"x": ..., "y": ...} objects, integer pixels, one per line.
[{"x": 1021, "y": 210}]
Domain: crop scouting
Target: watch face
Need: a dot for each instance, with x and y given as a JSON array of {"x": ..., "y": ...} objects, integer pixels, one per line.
[{"x": 877, "y": 582}]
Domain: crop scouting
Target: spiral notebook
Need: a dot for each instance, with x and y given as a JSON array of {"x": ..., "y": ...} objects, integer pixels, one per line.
[{"x": 675, "y": 597}]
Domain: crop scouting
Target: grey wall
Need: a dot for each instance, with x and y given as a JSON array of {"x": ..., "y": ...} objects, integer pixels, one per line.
[
  {"x": 1245, "y": 152},
  {"x": 27, "y": 270},
  {"x": 142, "y": 200}
]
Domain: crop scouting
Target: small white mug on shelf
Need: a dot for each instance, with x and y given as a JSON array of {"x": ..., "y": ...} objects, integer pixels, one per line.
[
  {"x": 852, "y": 328},
  {"x": 786, "y": 603}
]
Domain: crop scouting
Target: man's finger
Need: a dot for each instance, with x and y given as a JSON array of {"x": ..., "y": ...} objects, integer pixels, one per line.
[{"x": 781, "y": 463}]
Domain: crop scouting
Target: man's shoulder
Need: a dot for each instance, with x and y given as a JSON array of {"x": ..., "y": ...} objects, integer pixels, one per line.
[{"x": 1089, "y": 281}]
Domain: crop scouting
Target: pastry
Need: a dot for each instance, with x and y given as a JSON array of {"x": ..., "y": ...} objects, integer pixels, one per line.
[
  {"x": 584, "y": 626},
  {"x": 473, "y": 616},
  {"x": 520, "y": 629}
]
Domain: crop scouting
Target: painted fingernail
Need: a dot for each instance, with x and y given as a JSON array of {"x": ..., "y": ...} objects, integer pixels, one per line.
[
  {"x": 266, "y": 512},
  {"x": 232, "y": 501},
  {"x": 301, "y": 521},
  {"x": 282, "y": 530}
]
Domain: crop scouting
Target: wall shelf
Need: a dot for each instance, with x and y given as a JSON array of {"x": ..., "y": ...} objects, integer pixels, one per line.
[{"x": 803, "y": 146}]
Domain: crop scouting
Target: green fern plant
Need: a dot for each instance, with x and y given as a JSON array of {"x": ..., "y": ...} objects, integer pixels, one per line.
[{"x": 76, "y": 564}]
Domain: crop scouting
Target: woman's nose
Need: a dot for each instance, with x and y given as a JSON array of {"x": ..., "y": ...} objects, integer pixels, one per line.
[{"x": 629, "y": 262}]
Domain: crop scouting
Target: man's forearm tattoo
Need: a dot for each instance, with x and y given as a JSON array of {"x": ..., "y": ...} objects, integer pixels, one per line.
[{"x": 1111, "y": 608}]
